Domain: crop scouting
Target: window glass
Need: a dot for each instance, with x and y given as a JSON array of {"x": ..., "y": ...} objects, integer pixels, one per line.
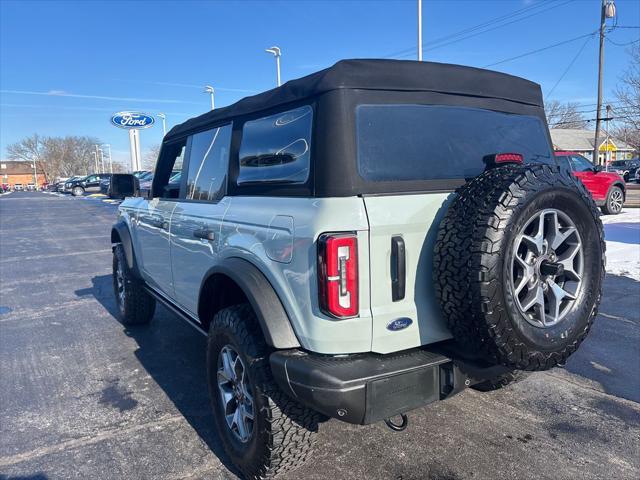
[
  {"x": 580, "y": 164},
  {"x": 165, "y": 183},
  {"x": 208, "y": 164},
  {"x": 277, "y": 148},
  {"x": 426, "y": 142}
]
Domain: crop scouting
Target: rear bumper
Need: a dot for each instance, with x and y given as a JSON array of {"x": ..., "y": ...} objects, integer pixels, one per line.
[{"x": 366, "y": 388}]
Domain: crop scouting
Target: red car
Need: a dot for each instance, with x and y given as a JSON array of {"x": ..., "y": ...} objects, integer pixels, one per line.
[{"x": 607, "y": 188}]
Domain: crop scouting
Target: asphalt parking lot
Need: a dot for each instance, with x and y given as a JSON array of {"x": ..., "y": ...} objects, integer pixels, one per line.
[{"x": 81, "y": 396}]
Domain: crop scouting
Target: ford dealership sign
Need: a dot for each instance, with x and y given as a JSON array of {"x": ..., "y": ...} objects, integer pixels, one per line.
[{"x": 131, "y": 120}]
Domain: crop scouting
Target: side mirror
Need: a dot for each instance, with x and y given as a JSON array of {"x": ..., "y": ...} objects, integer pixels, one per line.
[
  {"x": 124, "y": 185},
  {"x": 597, "y": 168}
]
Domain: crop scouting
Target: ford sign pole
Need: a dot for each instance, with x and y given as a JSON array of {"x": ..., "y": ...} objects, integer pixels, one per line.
[{"x": 133, "y": 121}]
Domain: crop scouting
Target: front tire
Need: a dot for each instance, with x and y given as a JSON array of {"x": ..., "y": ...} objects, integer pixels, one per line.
[
  {"x": 77, "y": 191},
  {"x": 614, "y": 202},
  {"x": 135, "y": 305},
  {"x": 264, "y": 432}
]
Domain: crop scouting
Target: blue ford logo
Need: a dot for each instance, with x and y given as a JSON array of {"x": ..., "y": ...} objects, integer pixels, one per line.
[
  {"x": 399, "y": 324},
  {"x": 131, "y": 120}
]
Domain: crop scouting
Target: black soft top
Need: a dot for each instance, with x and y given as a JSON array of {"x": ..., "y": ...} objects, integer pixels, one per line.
[{"x": 391, "y": 75}]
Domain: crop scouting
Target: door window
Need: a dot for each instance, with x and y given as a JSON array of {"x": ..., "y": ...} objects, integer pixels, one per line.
[
  {"x": 276, "y": 148},
  {"x": 208, "y": 164},
  {"x": 580, "y": 164},
  {"x": 166, "y": 182}
]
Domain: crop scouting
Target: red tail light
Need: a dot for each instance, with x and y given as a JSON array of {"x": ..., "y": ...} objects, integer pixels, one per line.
[
  {"x": 338, "y": 274},
  {"x": 508, "y": 158}
]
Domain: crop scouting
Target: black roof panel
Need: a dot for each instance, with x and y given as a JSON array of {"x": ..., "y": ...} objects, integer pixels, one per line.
[{"x": 372, "y": 74}]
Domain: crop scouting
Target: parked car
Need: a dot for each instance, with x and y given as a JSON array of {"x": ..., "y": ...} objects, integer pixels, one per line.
[
  {"x": 347, "y": 262},
  {"x": 607, "y": 188},
  {"x": 66, "y": 187},
  {"x": 31, "y": 187},
  {"x": 626, "y": 168},
  {"x": 88, "y": 184},
  {"x": 4, "y": 187},
  {"x": 18, "y": 187},
  {"x": 637, "y": 176}
]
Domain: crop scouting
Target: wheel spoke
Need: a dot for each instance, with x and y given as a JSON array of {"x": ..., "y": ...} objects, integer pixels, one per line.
[
  {"x": 557, "y": 235},
  {"x": 533, "y": 298},
  {"x": 555, "y": 297}
]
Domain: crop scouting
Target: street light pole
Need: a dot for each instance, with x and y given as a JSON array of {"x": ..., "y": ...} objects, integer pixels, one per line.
[
  {"x": 419, "y": 30},
  {"x": 607, "y": 10},
  {"x": 110, "y": 161},
  {"x": 209, "y": 89},
  {"x": 164, "y": 123},
  {"x": 95, "y": 158},
  {"x": 276, "y": 53}
]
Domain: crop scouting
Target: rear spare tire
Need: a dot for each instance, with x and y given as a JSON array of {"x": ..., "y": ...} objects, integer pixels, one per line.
[{"x": 519, "y": 264}]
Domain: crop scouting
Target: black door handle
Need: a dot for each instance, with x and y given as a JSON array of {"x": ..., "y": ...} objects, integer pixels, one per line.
[
  {"x": 204, "y": 234},
  {"x": 398, "y": 268}
]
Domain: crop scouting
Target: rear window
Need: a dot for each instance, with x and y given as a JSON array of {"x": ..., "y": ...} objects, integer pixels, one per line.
[
  {"x": 277, "y": 148},
  {"x": 430, "y": 142}
]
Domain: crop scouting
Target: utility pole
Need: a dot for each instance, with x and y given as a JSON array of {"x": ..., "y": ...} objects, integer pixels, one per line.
[
  {"x": 607, "y": 10},
  {"x": 164, "y": 121},
  {"x": 110, "y": 161},
  {"x": 419, "y": 30}
]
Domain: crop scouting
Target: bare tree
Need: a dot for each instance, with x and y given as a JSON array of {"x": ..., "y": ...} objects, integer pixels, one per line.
[
  {"x": 564, "y": 115},
  {"x": 627, "y": 113},
  {"x": 150, "y": 158},
  {"x": 57, "y": 156},
  {"x": 30, "y": 149}
]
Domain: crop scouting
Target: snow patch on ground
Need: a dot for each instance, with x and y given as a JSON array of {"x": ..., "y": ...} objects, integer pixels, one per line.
[{"x": 622, "y": 234}]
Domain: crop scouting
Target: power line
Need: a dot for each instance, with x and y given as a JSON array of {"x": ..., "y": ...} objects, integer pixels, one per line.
[
  {"x": 569, "y": 66},
  {"x": 622, "y": 44},
  {"x": 541, "y": 49},
  {"x": 438, "y": 43}
]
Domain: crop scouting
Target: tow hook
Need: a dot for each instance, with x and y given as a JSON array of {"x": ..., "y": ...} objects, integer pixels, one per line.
[{"x": 395, "y": 426}]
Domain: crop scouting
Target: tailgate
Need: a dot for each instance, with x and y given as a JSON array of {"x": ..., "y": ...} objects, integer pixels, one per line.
[{"x": 409, "y": 221}]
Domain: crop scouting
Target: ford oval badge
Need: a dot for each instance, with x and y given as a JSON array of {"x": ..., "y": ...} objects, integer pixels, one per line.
[
  {"x": 399, "y": 324},
  {"x": 130, "y": 120}
]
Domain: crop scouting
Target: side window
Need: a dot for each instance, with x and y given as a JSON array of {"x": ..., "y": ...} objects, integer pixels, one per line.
[
  {"x": 277, "y": 148},
  {"x": 166, "y": 181},
  {"x": 208, "y": 164},
  {"x": 580, "y": 164},
  {"x": 90, "y": 179}
]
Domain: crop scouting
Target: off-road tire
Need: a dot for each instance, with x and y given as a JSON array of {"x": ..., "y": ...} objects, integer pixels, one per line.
[
  {"x": 500, "y": 381},
  {"x": 77, "y": 191},
  {"x": 475, "y": 241},
  {"x": 284, "y": 430},
  {"x": 608, "y": 208},
  {"x": 138, "y": 306}
]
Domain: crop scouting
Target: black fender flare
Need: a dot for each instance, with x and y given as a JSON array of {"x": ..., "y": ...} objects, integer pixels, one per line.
[
  {"x": 120, "y": 234},
  {"x": 264, "y": 300}
]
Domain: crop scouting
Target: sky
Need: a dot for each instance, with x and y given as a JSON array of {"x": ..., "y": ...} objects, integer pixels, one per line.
[{"x": 67, "y": 66}]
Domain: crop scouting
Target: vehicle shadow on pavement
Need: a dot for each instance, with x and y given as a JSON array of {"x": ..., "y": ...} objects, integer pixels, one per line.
[
  {"x": 174, "y": 355},
  {"x": 609, "y": 356}
]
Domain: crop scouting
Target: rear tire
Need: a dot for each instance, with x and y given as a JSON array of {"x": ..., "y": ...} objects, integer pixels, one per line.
[
  {"x": 500, "y": 381},
  {"x": 495, "y": 307},
  {"x": 135, "y": 305},
  {"x": 77, "y": 191},
  {"x": 614, "y": 202},
  {"x": 281, "y": 434}
]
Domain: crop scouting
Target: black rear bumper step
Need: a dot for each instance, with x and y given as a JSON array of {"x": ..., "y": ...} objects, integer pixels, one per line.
[{"x": 368, "y": 387}]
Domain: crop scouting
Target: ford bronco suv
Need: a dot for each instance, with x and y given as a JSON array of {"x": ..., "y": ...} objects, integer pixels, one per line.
[{"x": 359, "y": 243}]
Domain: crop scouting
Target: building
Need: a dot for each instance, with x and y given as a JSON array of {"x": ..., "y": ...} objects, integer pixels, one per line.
[
  {"x": 20, "y": 172},
  {"x": 581, "y": 141}
]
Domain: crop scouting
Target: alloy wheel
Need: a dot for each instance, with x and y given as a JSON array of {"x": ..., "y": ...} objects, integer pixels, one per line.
[
  {"x": 235, "y": 394},
  {"x": 546, "y": 267},
  {"x": 616, "y": 200}
]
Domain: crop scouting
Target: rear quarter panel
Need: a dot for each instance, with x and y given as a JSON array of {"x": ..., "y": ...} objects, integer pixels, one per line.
[{"x": 278, "y": 235}]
